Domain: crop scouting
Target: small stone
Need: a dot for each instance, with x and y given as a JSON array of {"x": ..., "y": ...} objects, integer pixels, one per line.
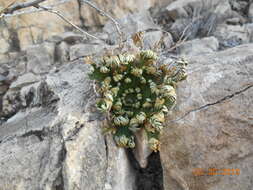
[
  {"x": 62, "y": 52},
  {"x": 151, "y": 39},
  {"x": 250, "y": 12},
  {"x": 24, "y": 80},
  {"x": 72, "y": 38},
  {"x": 82, "y": 50},
  {"x": 4, "y": 46},
  {"x": 199, "y": 46}
]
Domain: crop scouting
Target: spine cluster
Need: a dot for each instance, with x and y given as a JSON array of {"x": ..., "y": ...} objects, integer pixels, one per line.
[{"x": 138, "y": 93}]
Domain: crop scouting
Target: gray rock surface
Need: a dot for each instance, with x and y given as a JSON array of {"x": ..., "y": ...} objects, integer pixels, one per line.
[
  {"x": 211, "y": 127},
  {"x": 199, "y": 46},
  {"x": 25, "y": 80},
  {"x": 5, "y": 46},
  {"x": 180, "y": 8},
  {"x": 151, "y": 39},
  {"x": 232, "y": 35},
  {"x": 56, "y": 142},
  {"x": 142, "y": 150},
  {"x": 130, "y": 25},
  {"x": 40, "y": 57},
  {"x": 250, "y": 12},
  {"x": 62, "y": 52},
  {"x": 82, "y": 50}
]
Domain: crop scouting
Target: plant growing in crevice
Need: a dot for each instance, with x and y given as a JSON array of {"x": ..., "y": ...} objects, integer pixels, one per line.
[{"x": 136, "y": 92}]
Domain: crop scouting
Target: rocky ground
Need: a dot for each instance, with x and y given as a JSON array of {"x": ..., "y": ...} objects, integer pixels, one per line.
[{"x": 50, "y": 133}]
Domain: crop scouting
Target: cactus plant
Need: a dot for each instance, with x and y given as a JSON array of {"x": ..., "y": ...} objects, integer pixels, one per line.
[{"x": 137, "y": 92}]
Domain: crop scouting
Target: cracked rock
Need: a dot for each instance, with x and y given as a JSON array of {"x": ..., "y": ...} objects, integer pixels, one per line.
[
  {"x": 211, "y": 127},
  {"x": 57, "y": 143}
]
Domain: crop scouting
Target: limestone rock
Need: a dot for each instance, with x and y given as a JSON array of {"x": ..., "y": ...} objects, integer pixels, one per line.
[
  {"x": 3, "y": 89},
  {"x": 26, "y": 150},
  {"x": 4, "y": 58},
  {"x": 211, "y": 127},
  {"x": 71, "y": 37},
  {"x": 55, "y": 139},
  {"x": 239, "y": 5},
  {"x": 232, "y": 35},
  {"x": 142, "y": 150},
  {"x": 119, "y": 173},
  {"x": 117, "y": 9},
  {"x": 62, "y": 52},
  {"x": 250, "y": 31},
  {"x": 168, "y": 40},
  {"x": 250, "y": 12},
  {"x": 130, "y": 25},
  {"x": 31, "y": 29},
  {"x": 86, "y": 162},
  {"x": 82, "y": 50},
  {"x": 152, "y": 39},
  {"x": 5, "y": 46},
  {"x": 40, "y": 57},
  {"x": 24, "y": 80},
  {"x": 199, "y": 46},
  {"x": 180, "y": 8}
]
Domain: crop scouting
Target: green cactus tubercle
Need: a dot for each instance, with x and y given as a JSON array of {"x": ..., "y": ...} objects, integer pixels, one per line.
[{"x": 138, "y": 93}]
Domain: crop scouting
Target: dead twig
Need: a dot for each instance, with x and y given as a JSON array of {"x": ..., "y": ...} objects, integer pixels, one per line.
[
  {"x": 17, "y": 6},
  {"x": 182, "y": 38},
  {"x": 103, "y": 13},
  {"x": 35, "y": 3},
  {"x": 33, "y": 10},
  {"x": 49, "y": 9},
  {"x": 7, "y": 6}
]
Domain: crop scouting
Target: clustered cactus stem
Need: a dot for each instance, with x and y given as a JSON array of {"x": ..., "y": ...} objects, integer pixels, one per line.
[{"x": 138, "y": 93}]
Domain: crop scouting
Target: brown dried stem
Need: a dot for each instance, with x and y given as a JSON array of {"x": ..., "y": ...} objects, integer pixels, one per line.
[{"x": 103, "y": 13}]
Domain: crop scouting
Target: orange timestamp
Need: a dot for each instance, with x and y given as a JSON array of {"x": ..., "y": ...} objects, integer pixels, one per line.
[{"x": 215, "y": 171}]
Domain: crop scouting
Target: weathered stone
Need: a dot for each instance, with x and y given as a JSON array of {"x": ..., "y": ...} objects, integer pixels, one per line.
[
  {"x": 62, "y": 52},
  {"x": 231, "y": 35},
  {"x": 40, "y": 57},
  {"x": 57, "y": 141},
  {"x": 4, "y": 47},
  {"x": 25, "y": 36},
  {"x": 119, "y": 173},
  {"x": 24, "y": 80},
  {"x": 2, "y": 78},
  {"x": 23, "y": 149},
  {"x": 4, "y": 58},
  {"x": 180, "y": 8},
  {"x": 3, "y": 89},
  {"x": 234, "y": 21},
  {"x": 167, "y": 40},
  {"x": 130, "y": 25},
  {"x": 239, "y": 5},
  {"x": 85, "y": 163},
  {"x": 31, "y": 28},
  {"x": 71, "y": 37},
  {"x": 250, "y": 12},
  {"x": 250, "y": 31},
  {"x": 211, "y": 127},
  {"x": 82, "y": 50},
  {"x": 152, "y": 39},
  {"x": 142, "y": 150},
  {"x": 117, "y": 9},
  {"x": 199, "y": 46}
]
